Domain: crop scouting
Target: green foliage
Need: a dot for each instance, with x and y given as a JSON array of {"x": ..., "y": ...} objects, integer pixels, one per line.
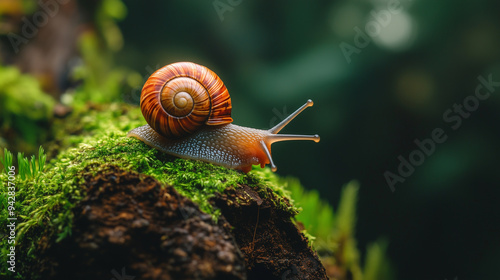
[
  {"x": 376, "y": 264},
  {"x": 346, "y": 216},
  {"x": 347, "y": 253},
  {"x": 334, "y": 234},
  {"x": 109, "y": 12},
  {"x": 30, "y": 169},
  {"x": 21, "y": 95},
  {"x": 24, "y": 107},
  {"x": 102, "y": 82},
  {"x": 7, "y": 159},
  {"x": 316, "y": 215},
  {"x": 16, "y": 7}
]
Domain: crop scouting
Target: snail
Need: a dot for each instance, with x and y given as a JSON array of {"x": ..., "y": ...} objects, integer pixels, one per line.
[{"x": 188, "y": 111}]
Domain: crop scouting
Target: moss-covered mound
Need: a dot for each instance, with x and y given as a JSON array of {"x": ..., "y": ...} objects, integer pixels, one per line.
[
  {"x": 131, "y": 224},
  {"x": 106, "y": 205}
]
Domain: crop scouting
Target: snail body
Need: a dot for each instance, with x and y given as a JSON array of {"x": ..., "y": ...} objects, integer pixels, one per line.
[{"x": 188, "y": 110}]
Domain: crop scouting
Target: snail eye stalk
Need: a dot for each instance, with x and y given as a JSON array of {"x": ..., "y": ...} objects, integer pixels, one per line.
[
  {"x": 288, "y": 119},
  {"x": 273, "y": 137}
]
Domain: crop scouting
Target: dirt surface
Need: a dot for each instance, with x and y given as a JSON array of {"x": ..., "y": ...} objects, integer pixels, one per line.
[
  {"x": 130, "y": 227},
  {"x": 273, "y": 246}
]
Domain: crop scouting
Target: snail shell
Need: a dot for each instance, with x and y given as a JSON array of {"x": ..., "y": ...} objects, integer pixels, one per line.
[{"x": 180, "y": 98}]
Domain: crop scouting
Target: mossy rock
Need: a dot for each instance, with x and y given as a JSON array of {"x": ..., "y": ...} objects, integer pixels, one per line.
[{"x": 109, "y": 206}]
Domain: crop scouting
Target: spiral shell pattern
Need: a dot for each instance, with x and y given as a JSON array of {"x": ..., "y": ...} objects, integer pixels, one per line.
[{"x": 181, "y": 97}]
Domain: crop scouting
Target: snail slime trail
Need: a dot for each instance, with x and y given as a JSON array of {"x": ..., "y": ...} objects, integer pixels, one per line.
[{"x": 188, "y": 111}]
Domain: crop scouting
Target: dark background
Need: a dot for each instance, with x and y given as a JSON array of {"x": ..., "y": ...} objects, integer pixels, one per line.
[{"x": 443, "y": 221}]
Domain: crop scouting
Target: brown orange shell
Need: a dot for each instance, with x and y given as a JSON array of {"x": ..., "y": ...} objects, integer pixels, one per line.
[{"x": 181, "y": 97}]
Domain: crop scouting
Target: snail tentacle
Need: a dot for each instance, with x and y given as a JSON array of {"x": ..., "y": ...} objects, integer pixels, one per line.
[
  {"x": 273, "y": 137},
  {"x": 288, "y": 119},
  {"x": 268, "y": 154}
]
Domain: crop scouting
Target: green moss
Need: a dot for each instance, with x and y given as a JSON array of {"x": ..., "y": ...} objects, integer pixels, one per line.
[
  {"x": 91, "y": 140},
  {"x": 43, "y": 202}
]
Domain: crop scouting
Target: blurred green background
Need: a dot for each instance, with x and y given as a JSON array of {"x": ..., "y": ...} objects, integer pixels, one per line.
[{"x": 382, "y": 74}]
